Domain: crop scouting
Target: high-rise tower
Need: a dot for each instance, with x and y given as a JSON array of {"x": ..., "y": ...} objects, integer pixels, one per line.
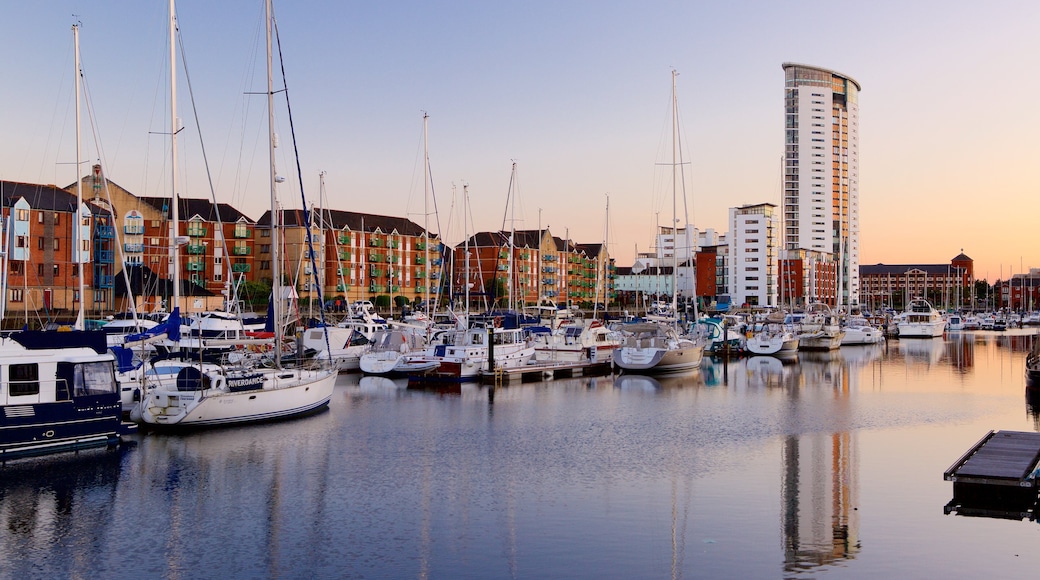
[{"x": 821, "y": 169}]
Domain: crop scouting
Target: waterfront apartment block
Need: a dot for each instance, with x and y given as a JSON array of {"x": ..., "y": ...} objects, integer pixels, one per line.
[
  {"x": 821, "y": 169},
  {"x": 754, "y": 240},
  {"x": 527, "y": 267},
  {"x": 46, "y": 246},
  {"x": 950, "y": 286}
]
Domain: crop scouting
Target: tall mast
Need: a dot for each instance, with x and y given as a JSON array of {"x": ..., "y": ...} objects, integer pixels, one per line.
[
  {"x": 276, "y": 286},
  {"x": 426, "y": 213},
  {"x": 465, "y": 236},
  {"x": 174, "y": 209},
  {"x": 78, "y": 222},
  {"x": 675, "y": 228}
]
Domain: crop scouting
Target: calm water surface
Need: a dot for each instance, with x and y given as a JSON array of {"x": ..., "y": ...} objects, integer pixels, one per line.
[{"x": 829, "y": 465}]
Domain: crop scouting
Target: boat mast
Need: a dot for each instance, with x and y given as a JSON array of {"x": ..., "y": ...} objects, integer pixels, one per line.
[
  {"x": 465, "y": 236},
  {"x": 276, "y": 287},
  {"x": 426, "y": 216},
  {"x": 675, "y": 227},
  {"x": 174, "y": 205},
  {"x": 78, "y": 223}
]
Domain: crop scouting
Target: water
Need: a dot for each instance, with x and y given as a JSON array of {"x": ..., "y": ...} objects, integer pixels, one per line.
[{"x": 826, "y": 466}]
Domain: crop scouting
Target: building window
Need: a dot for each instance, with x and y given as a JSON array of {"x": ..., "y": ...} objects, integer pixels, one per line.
[
  {"x": 22, "y": 215},
  {"x": 99, "y": 297},
  {"x": 39, "y": 242},
  {"x": 17, "y": 268},
  {"x": 57, "y": 218},
  {"x": 17, "y": 295},
  {"x": 56, "y": 271},
  {"x": 39, "y": 217},
  {"x": 39, "y": 270},
  {"x": 56, "y": 245}
]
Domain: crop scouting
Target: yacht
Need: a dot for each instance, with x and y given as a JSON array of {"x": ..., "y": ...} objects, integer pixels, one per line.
[
  {"x": 467, "y": 356},
  {"x": 921, "y": 320},
  {"x": 773, "y": 338},
  {"x": 820, "y": 329},
  {"x": 575, "y": 342},
  {"x": 858, "y": 330},
  {"x": 397, "y": 352},
  {"x": 652, "y": 347},
  {"x": 56, "y": 397}
]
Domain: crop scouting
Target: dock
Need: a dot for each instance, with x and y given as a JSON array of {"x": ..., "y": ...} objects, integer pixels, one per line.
[
  {"x": 540, "y": 371},
  {"x": 997, "y": 475}
]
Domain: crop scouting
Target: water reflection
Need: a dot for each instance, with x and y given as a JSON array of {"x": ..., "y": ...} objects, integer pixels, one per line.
[
  {"x": 50, "y": 508},
  {"x": 927, "y": 351}
]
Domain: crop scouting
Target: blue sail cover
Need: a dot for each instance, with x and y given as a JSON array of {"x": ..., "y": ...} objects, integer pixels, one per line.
[{"x": 171, "y": 327}]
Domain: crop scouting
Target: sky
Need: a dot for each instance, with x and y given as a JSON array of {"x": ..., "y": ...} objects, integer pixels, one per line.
[{"x": 575, "y": 93}]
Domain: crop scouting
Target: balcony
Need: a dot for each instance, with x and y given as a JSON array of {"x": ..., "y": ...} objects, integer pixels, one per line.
[
  {"x": 420, "y": 245},
  {"x": 394, "y": 243},
  {"x": 420, "y": 260},
  {"x": 196, "y": 231},
  {"x": 376, "y": 288},
  {"x": 241, "y": 268},
  {"x": 419, "y": 288},
  {"x": 133, "y": 229},
  {"x": 375, "y": 257},
  {"x": 196, "y": 249},
  {"x": 341, "y": 287},
  {"x": 242, "y": 232},
  {"x": 343, "y": 239},
  {"x": 105, "y": 232},
  {"x": 344, "y": 255},
  {"x": 104, "y": 281},
  {"x": 241, "y": 250},
  {"x": 377, "y": 272},
  {"x": 393, "y": 259},
  {"x": 376, "y": 243},
  {"x": 196, "y": 267},
  {"x": 104, "y": 256},
  {"x": 133, "y": 248}
]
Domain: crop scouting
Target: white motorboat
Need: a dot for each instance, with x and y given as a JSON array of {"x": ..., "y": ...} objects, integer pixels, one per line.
[
  {"x": 955, "y": 322},
  {"x": 921, "y": 320},
  {"x": 652, "y": 347},
  {"x": 576, "y": 342},
  {"x": 859, "y": 331},
  {"x": 468, "y": 354}
]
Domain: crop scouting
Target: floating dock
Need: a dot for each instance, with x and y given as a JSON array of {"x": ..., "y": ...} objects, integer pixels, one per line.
[
  {"x": 541, "y": 371},
  {"x": 998, "y": 474}
]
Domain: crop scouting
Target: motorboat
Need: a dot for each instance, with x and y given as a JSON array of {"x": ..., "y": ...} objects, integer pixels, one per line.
[
  {"x": 858, "y": 330},
  {"x": 56, "y": 395},
  {"x": 921, "y": 320},
  {"x": 469, "y": 353},
  {"x": 575, "y": 342},
  {"x": 344, "y": 346},
  {"x": 652, "y": 347},
  {"x": 955, "y": 322}
]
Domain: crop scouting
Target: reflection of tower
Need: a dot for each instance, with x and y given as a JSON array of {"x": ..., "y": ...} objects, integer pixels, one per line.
[{"x": 819, "y": 488}]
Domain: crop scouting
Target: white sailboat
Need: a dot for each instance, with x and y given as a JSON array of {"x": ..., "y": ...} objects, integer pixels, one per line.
[
  {"x": 658, "y": 346},
  {"x": 774, "y": 338},
  {"x": 820, "y": 329},
  {"x": 196, "y": 394}
]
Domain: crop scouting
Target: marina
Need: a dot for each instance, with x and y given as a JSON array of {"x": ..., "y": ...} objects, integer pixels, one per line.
[{"x": 824, "y": 464}]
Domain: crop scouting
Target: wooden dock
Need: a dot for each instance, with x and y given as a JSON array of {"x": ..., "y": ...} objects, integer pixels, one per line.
[
  {"x": 541, "y": 371},
  {"x": 998, "y": 473}
]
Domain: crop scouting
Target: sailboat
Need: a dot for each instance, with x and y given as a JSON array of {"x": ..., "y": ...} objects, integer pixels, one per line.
[
  {"x": 658, "y": 346},
  {"x": 197, "y": 394}
]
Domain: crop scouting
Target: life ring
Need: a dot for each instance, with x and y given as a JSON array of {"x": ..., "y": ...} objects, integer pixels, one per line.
[{"x": 498, "y": 322}]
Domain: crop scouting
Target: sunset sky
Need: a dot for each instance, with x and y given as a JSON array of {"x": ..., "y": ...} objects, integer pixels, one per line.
[{"x": 575, "y": 92}]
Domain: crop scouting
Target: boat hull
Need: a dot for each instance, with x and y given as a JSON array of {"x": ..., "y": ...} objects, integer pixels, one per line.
[
  {"x": 921, "y": 329},
  {"x": 659, "y": 360},
  {"x": 285, "y": 394},
  {"x": 44, "y": 428}
]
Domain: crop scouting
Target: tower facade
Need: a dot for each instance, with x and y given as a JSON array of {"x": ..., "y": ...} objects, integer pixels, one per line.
[{"x": 821, "y": 169}]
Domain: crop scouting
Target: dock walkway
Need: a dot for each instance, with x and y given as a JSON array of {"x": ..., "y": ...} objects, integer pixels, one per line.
[{"x": 1001, "y": 470}]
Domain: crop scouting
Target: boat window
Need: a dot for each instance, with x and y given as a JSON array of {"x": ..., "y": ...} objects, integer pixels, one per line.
[
  {"x": 24, "y": 379},
  {"x": 94, "y": 379}
]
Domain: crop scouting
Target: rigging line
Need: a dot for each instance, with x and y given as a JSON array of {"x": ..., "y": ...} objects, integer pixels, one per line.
[
  {"x": 303, "y": 195},
  {"x": 233, "y": 297}
]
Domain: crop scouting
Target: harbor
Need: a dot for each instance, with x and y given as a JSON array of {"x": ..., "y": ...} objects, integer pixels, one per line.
[{"x": 828, "y": 464}]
